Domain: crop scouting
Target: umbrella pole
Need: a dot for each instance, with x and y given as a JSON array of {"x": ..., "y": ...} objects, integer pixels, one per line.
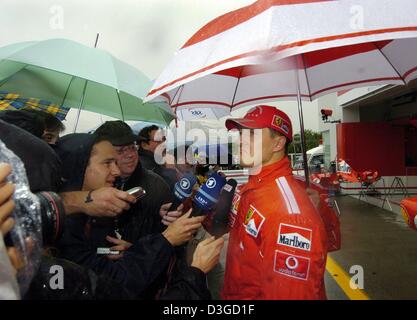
[
  {"x": 178, "y": 101},
  {"x": 302, "y": 133},
  {"x": 66, "y": 92},
  {"x": 80, "y": 106},
  {"x": 303, "y": 138},
  {"x": 120, "y": 103},
  {"x": 95, "y": 44}
]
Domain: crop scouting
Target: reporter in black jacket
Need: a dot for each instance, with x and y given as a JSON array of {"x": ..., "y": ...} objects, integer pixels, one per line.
[
  {"x": 144, "y": 217},
  {"x": 88, "y": 163}
]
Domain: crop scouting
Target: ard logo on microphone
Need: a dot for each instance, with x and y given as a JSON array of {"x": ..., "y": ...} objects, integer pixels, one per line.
[
  {"x": 185, "y": 184},
  {"x": 211, "y": 183}
]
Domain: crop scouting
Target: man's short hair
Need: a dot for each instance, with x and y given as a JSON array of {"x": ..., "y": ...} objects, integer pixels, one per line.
[
  {"x": 50, "y": 122},
  {"x": 275, "y": 133},
  {"x": 97, "y": 139},
  {"x": 145, "y": 134},
  {"x": 117, "y": 132}
]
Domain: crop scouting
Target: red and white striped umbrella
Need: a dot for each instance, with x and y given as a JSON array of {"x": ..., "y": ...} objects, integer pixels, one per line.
[{"x": 271, "y": 49}]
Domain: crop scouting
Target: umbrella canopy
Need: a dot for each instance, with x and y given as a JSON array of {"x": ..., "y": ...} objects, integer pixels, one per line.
[
  {"x": 12, "y": 101},
  {"x": 71, "y": 74},
  {"x": 282, "y": 50},
  {"x": 271, "y": 49}
]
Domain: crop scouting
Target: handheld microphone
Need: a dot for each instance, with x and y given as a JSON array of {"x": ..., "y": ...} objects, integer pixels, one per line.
[
  {"x": 183, "y": 189},
  {"x": 207, "y": 196},
  {"x": 220, "y": 222}
]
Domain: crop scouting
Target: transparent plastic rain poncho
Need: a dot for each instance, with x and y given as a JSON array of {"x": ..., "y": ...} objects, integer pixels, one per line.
[
  {"x": 9, "y": 289},
  {"x": 26, "y": 233}
]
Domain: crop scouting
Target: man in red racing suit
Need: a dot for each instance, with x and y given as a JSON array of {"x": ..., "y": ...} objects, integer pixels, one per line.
[{"x": 277, "y": 245}]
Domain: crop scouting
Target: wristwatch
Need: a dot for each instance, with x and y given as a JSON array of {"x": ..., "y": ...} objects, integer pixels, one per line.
[{"x": 88, "y": 197}]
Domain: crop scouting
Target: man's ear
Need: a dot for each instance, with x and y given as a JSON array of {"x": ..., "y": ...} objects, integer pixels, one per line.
[{"x": 279, "y": 143}]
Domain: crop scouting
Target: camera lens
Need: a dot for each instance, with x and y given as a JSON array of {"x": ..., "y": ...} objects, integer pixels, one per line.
[{"x": 52, "y": 216}]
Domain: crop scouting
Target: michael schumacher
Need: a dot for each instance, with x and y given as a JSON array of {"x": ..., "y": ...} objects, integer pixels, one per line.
[{"x": 277, "y": 245}]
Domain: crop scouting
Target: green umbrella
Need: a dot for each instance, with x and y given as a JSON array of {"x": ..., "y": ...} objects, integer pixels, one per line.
[{"x": 71, "y": 74}]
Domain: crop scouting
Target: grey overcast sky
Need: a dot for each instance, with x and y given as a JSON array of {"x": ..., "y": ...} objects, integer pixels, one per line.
[{"x": 143, "y": 33}]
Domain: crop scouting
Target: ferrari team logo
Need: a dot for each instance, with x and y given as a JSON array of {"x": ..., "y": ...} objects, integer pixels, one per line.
[
  {"x": 278, "y": 122},
  {"x": 249, "y": 215},
  {"x": 253, "y": 221}
]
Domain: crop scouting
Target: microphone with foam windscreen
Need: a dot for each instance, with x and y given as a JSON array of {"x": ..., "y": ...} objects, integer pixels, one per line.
[
  {"x": 207, "y": 196},
  {"x": 183, "y": 189},
  {"x": 220, "y": 221}
]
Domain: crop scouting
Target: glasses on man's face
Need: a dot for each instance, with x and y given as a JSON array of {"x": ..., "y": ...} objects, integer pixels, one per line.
[{"x": 126, "y": 149}]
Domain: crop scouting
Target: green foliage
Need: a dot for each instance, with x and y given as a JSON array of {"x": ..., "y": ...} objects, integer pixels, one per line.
[{"x": 312, "y": 141}]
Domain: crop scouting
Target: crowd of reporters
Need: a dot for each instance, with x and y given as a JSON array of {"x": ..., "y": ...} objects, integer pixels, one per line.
[{"x": 110, "y": 244}]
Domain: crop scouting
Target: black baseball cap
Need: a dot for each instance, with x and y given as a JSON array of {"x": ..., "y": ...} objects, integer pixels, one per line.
[{"x": 117, "y": 132}]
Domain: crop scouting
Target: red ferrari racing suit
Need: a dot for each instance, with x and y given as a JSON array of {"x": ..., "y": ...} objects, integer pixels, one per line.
[{"x": 277, "y": 245}]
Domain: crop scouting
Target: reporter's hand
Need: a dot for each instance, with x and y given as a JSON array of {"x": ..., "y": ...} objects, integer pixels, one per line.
[
  {"x": 120, "y": 245},
  {"x": 109, "y": 201},
  {"x": 106, "y": 202},
  {"x": 207, "y": 254},
  {"x": 182, "y": 229},
  {"x": 6, "y": 204},
  {"x": 167, "y": 216}
]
